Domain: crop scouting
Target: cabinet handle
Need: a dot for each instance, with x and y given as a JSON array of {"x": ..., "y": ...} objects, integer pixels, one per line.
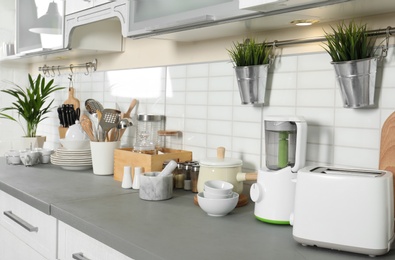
[
  {"x": 20, "y": 221},
  {"x": 79, "y": 256},
  {"x": 200, "y": 20}
]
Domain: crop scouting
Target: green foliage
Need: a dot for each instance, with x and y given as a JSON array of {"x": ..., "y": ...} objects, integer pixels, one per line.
[
  {"x": 31, "y": 102},
  {"x": 349, "y": 42},
  {"x": 250, "y": 53}
]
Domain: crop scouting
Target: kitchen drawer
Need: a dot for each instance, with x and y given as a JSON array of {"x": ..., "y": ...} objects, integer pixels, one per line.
[
  {"x": 13, "y": 248},
  {"x": 35, "y": 228},
  {"x": 73, "y": 244}
]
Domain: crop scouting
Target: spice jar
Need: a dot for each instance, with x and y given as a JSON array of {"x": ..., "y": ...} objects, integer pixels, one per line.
[
  {"x": 179, "y": 176},
  {"x": 187, "y": 172},
  {"x": 194, "y": 177}
]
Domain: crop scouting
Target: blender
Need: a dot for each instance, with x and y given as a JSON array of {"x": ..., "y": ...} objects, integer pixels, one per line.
[{"x": 285, "y": 148}]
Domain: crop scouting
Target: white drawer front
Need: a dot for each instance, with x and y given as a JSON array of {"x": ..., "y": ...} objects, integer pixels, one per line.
[
  {"x": 32, "y": 226},
  {"x": 13, "y": 248},
  {"x": 74, "y": 244}
]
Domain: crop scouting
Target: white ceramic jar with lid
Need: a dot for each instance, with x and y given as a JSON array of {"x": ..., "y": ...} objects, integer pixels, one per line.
[{"x": 220, "y": 168}]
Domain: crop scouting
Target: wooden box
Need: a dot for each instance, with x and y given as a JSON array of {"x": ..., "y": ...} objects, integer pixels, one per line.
[{"x": 125, "y": 157}]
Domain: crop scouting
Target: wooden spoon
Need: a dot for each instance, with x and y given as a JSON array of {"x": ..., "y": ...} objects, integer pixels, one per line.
[{"x": 86, "y": 125}]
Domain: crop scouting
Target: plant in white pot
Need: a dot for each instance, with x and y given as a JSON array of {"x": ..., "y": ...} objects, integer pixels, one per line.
[
  {"x": 353, "y": 57},
  {"x": 251, "y": 60},
  {"x": 31, "y": 103}
]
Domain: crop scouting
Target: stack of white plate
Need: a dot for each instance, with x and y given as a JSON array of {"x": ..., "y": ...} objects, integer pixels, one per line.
[{"x": 74, "y": 160}]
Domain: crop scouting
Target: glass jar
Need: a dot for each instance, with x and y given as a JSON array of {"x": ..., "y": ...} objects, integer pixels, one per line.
[
  {"x": 179, "y": 176},
  {"x": 150, "y": 124},
  {"x": 144, "y": 144}
]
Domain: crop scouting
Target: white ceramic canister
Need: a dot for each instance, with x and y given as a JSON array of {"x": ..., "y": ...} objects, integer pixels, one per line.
[{"x": 220, "y": 168}]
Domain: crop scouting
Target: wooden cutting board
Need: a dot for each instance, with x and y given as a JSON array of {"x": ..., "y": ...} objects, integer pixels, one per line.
[
  {"x": 71, "y": 99},
  {"x": 387, "y": 146}
]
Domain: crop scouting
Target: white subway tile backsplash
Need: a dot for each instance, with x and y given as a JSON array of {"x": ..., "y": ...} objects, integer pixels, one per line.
[
  {"x": 281, "y": 97},
  {"x": 285, "y": 64},
  {"x": 174, "y": 72},
  {"x": 221, "y": 69},
  {"x": 196, "y": 98},
  {"x": 315, "y": 98},
  {"x": 219, "y": 113},
  {"x": 214, "y": 141},
  {"x": 195, "y": 126},
  {"x": 197, "y": 70},
  {"x": 202, "y": 101},
  {"x": 316, "y": 79},
  {"x": 282, "y": 80},
  {"x": 247, "y": 113},
  {"x": 219, "y": 127},
  {"x": 364, "y": 118},
  {"x": 223, "y": 83},
  {"x": 196, "y": 112},
  {"x": 356, "y": 157},
  {"x": 314, "y": 62},
  {"x": 355, "y": 137},
  {"x": 317, "y": 116},
  {"x": 197, "y": 84},
  {"x": 220, "y": 98},
  {"x": 320, "y": 134}
]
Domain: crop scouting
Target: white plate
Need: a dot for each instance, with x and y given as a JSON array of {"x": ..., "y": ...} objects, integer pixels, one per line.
[
  {"x": 72, "y": 152},
  {"x": 71, "y": 159},
  {"x": 76, "y": 168}
]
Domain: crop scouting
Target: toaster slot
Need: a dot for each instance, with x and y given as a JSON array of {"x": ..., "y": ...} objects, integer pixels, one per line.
[{"x": 352, "y": 172}]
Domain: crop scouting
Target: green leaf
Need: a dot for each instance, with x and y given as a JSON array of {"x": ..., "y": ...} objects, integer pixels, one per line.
[{"x": 30, "y": 103}]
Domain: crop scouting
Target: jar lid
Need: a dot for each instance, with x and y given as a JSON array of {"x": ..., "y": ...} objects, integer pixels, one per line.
[
  {"x": 221, "y": 162},
  {"x": 150, "y": 118}
]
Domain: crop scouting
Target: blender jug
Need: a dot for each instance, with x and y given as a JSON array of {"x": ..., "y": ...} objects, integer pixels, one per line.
[{"x": 280, "y": 139}]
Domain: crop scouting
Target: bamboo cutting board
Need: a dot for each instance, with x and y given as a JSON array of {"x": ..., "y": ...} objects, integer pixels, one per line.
[{"x": 387, "y": 146}]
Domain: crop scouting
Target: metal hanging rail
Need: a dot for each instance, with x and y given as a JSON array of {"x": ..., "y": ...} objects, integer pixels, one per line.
[
  {"x": 51, "y": 71},
  {"x": 379, "y": 32}
]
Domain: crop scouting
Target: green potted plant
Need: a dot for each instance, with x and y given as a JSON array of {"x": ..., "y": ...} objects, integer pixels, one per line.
[
  {"x": 32, "y": 103},
  {"x": 352, "y": 52},
  {"x": 251, "y": 60}
]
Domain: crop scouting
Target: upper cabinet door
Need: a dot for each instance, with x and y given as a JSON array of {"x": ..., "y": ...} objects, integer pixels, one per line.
[
  {"x": 148, "y": 17},
  {"x": 39, "y": 25},
  {"x": 73, "y": 6}
]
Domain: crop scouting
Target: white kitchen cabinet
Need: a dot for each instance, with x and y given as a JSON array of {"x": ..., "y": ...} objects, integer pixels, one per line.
[
  {"x": 150, "y": 17},
  {"x": 35, "y": 230},
  {"x": 13, "y": 248},
  {"x": 74, "y": 244},
  {"x": 28, "y": 13},
  {"x": 73, "y": 6}
]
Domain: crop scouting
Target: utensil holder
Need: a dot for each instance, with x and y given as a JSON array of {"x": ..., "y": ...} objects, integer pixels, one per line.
[{"x": 103, "y": 157}]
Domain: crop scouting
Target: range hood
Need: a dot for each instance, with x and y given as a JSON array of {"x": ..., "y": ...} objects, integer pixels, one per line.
[{"x": 275, "y": 5}]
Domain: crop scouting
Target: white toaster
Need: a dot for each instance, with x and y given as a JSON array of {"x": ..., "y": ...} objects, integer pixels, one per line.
[{"x": 344, "y": 209}]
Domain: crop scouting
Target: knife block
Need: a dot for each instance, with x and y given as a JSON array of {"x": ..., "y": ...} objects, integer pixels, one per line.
[{"x": 62, "y": 131}]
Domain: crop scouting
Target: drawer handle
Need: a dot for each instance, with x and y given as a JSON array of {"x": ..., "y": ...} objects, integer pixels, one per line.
[
  {"x": 20, "y": 221},
  {"x": 79, "y": 256}
]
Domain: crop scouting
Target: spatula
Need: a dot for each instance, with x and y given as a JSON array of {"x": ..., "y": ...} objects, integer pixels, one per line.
[{"x": 109, "y": 120}]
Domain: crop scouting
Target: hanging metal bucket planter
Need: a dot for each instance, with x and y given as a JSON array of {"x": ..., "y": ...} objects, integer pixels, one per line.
[
  {"x": 252, "y": 83},
  {"x": 357, "y": 80}
]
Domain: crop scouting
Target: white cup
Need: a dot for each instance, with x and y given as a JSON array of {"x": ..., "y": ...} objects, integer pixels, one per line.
[
  {"x": 103, "y": 157},
  {"x": 12, "y": 157}
]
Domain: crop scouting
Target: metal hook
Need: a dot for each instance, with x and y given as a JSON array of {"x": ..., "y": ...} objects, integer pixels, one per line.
[
  {"x": 87, "y": 66},
  {"x": 53, "y": 71},
  {"x": 46, "y": 71},
  {"x": 71, "y": 68},
  {"x": 273, "y": 55},
  {"x": 58, "y": 70},
  {"x": 71, "y": 81}
]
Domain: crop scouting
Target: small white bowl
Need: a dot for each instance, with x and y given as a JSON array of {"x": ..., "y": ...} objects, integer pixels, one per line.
[
  {"x": 217, "y": 207},
  {"x": 211, "y": 195},
  {"x": 218, "y": 187},
  {"x": 75, "y": 144}
]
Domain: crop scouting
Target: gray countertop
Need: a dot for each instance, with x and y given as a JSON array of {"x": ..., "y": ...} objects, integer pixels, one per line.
[{"x": 172, "y": 229}]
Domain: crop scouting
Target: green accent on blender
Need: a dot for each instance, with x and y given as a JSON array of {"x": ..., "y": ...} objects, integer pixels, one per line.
[
  {"x": 271, "y": 221},
  {"x": 282, "y": 149}
]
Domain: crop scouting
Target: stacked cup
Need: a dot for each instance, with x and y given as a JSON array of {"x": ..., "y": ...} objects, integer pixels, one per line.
[{"x": 217, "y": 198}]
